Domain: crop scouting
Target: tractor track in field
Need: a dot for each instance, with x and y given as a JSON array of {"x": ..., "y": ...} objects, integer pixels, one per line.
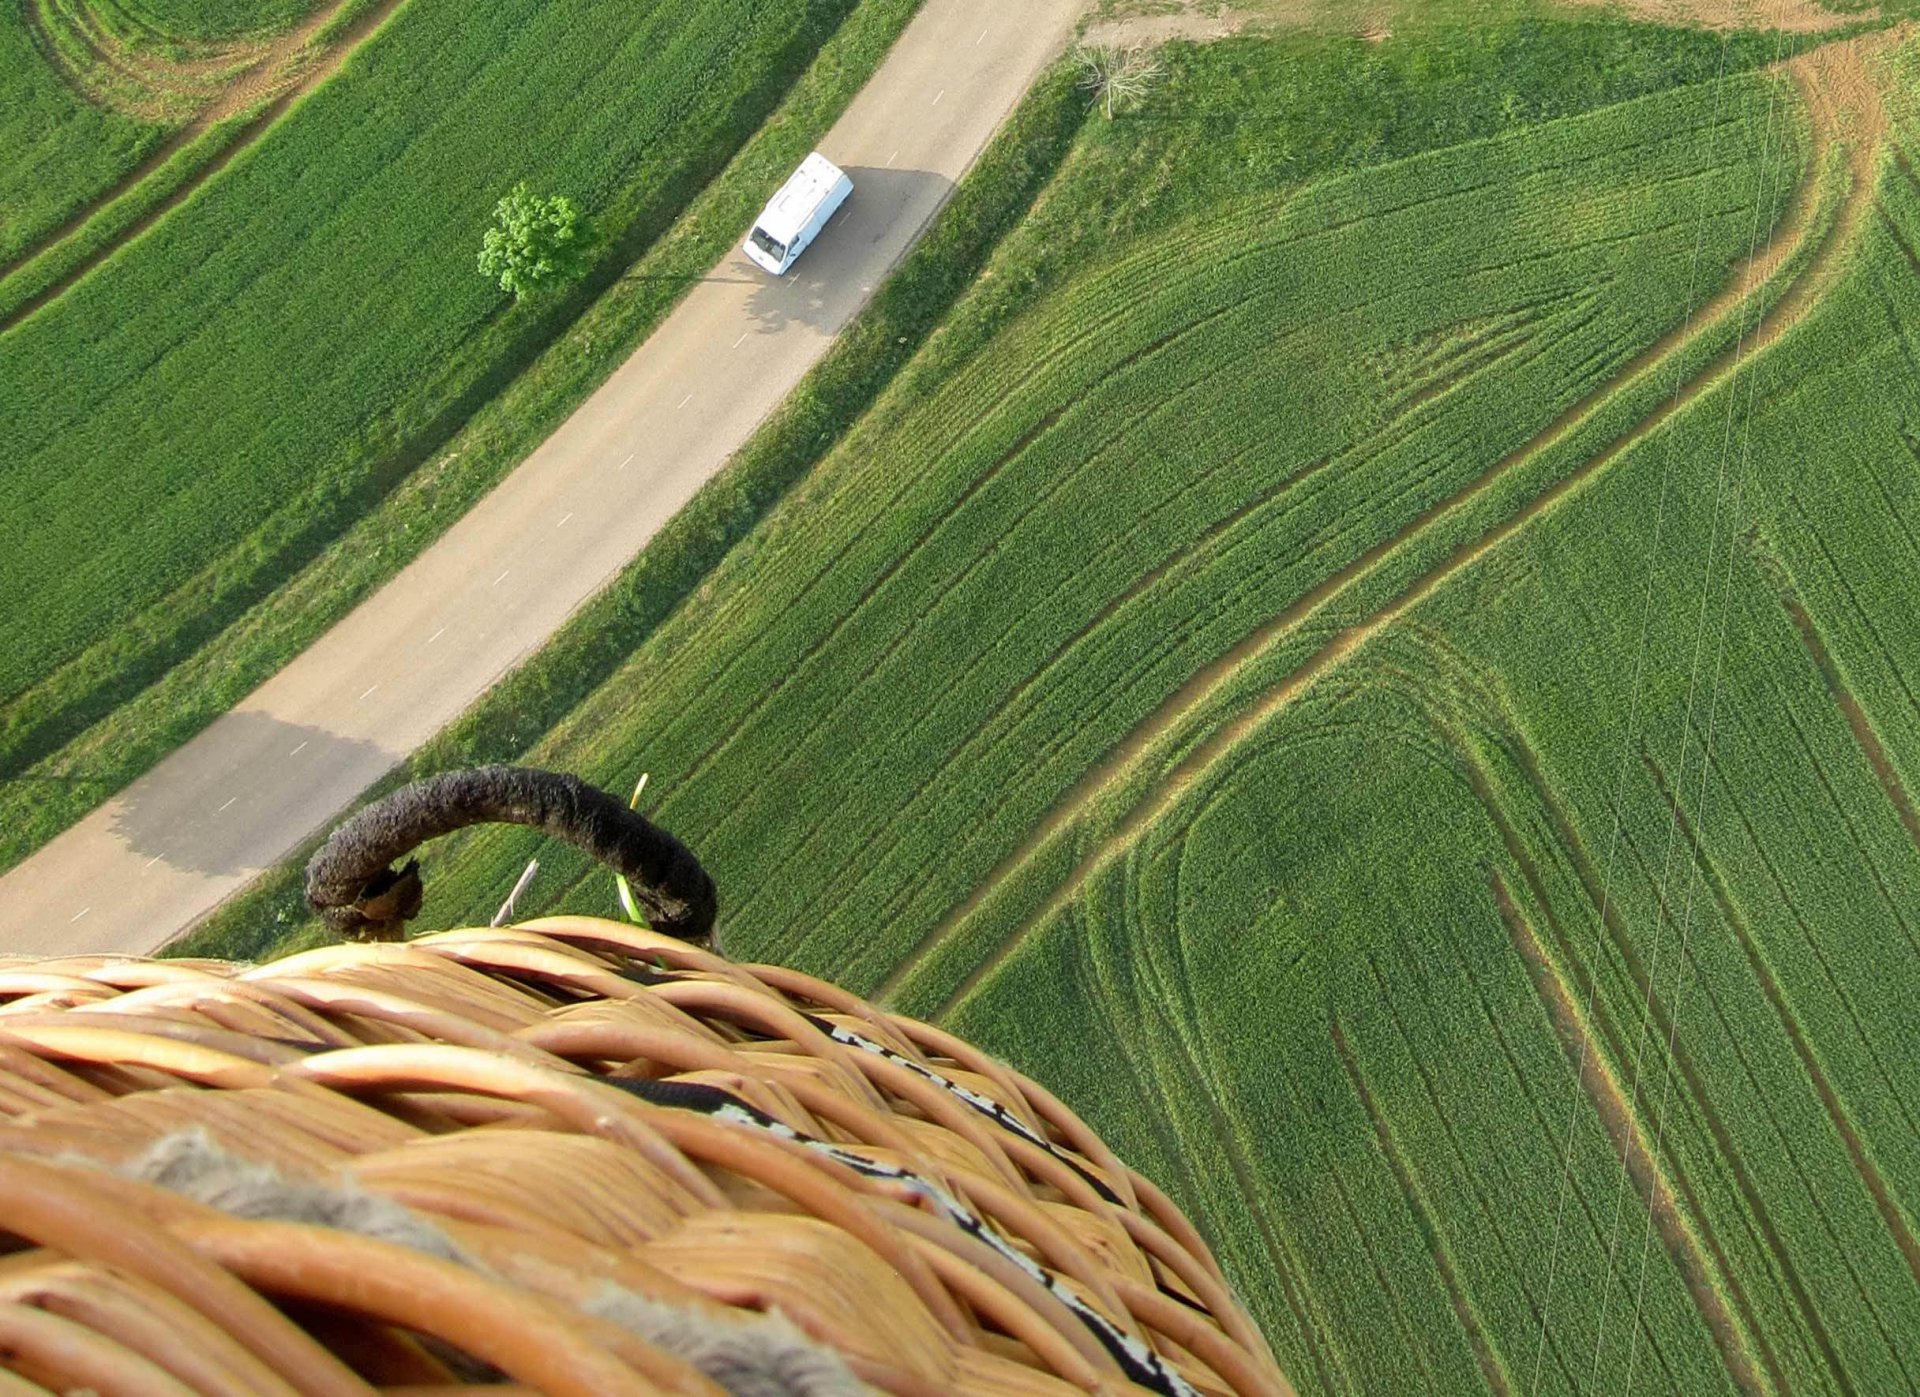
[
  {"x": 1674, "y": 1220},
  {"x": 1896, "y": 1091},
  {"x": 212, "y": 67},
  {"x": 1490, "y": 1214},
  {"x": 145, "y": 86},
  {"x": 286, "y": 71},
  {"x": 1492, "y": 1367},
  {"x": 1665, "y": 1027},
  {"x": 1032, "y": 369},
  {"x": 1496, "y": 1026},
  {"x": 1279, "y": 1251},
  {"x": 1573, "y": 980},
  {"x": 1870, "y": 1177},
  {"x": 1823, "y": 96},
  {"x": 1859, "y": 725},
  {"x": 1440, "y": 383},
  {"x": 1845, "y": 583},
  {"x": 1854, "y": 834},
  {"x": 1576, "y": 980}
]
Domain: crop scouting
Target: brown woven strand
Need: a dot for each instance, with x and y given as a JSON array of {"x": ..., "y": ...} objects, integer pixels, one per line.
[{"x": 538, "y": 1103}]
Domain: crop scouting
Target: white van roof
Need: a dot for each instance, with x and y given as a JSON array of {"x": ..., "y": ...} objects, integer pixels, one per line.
[{"x": 788, "y": 211}]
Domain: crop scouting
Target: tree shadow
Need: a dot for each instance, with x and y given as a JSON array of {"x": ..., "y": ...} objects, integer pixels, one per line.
[
  {"x": 833, "y": 278},
  {"x": 245, "y": 792}
]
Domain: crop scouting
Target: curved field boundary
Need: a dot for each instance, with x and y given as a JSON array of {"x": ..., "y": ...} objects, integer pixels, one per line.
[
  {"x": 135, "y": 81},
  {"x": 1700, "y": 1256},
  {"x": 1807, "y": 271},
  {"x": 289, "y": 68},
  {"x": 1700, "y": 1260}
]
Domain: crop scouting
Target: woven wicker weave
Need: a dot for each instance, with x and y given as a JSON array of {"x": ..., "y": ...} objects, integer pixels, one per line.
[{"x": 578, "y": 1110}]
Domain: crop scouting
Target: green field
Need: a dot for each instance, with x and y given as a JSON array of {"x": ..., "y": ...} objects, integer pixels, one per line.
[
  {"x": 61, "y": 150},
  {"x": 1329, "y": 667},
  {"x": 189, "y": 20},
  {"x": 191, "y": 422}
]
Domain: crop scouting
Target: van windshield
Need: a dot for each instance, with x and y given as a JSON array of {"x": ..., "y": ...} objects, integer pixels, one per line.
[{"x": 772, "y": 247}]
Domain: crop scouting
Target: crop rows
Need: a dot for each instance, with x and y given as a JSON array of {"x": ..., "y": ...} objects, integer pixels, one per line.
[
  {"x": 235, "y": 386},
  {"x": 1611, "y": 763},
  {"x": 952, "y": 537},
  {"x": 1763, "y": 924},
  {"x": 161, "y": 21},
  {"x": 936, "y": 638},
  {"x": 61, "y": 149}
]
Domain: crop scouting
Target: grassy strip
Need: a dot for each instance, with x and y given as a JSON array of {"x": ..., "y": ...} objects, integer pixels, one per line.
[
  {"x": 990, "y": 200},
  {"x": 156, "y": 712}
]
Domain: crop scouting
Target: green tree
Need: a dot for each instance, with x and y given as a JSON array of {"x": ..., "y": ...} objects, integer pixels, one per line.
[{"x": 536, "y": 242}]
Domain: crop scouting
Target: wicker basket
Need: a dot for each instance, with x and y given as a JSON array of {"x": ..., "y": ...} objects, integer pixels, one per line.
[{"x": 574, "y": 1156}]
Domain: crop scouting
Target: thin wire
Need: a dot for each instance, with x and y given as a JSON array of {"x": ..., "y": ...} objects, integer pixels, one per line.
[
  {"x": 1661, "y": 903},
  {"x": 1700, "y": 822},
  {"x": 1633, "y": 712}
]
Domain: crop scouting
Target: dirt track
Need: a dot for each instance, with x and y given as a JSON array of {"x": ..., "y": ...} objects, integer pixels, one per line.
[
  {"x": 1143, "y": 22},
  {"x": 247, "y": 791}
]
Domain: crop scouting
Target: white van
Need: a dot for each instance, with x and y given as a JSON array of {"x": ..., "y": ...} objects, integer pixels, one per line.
[{"x": 797, "y": 213}]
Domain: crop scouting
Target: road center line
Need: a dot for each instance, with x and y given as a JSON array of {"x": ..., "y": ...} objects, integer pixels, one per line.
[{"x": 298, "y": 750}]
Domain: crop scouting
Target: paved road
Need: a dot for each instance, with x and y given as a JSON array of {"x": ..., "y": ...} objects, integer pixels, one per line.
[{"x": 296, "y": 752}]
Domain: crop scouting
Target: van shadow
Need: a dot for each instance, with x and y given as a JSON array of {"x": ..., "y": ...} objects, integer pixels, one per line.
[
  {"x": 846, "y": 263},
  {"x": 242, "y": 793}
]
